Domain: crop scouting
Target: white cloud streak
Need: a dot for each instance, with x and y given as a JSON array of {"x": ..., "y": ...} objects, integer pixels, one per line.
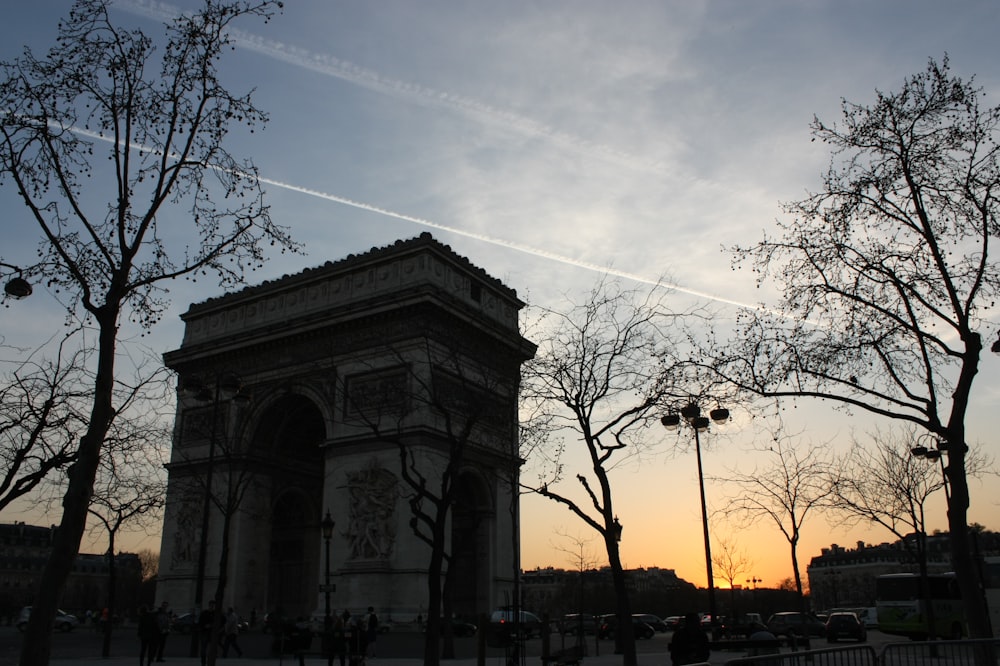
[{"x": 369, "y": 79}]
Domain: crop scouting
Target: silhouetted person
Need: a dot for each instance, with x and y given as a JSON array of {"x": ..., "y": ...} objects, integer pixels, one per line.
[
  {"x": 163, "y": 622},
  {"x": 149, "y": 636},
  {"x": 689, "y": 644},
  {"x": 206, "y": 623},
  {"x": 231, "y": 629}
]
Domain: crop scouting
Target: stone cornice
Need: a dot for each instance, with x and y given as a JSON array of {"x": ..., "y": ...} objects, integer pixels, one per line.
[{"x": 418, "y": 265}]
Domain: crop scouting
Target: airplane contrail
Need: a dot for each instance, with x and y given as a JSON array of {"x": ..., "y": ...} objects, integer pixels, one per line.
[
  {"x": 330, "y": 65},
  {"x": 367, "y": 78},
  {"x": 520, "y": 247}
]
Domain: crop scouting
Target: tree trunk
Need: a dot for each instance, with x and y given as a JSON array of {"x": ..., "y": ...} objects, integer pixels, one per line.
[
  {"x": 36, "y": 647},
  {"x": 447, "y": 635},
  {"x": 624, "y": 634},
  {"x": 962, "y": 558},
  {"x": 967, "y": 569},
  {"x": 433, "y": 634},
  {"x": 220, "y": 589},
  {"x": 112, "y": 584}
]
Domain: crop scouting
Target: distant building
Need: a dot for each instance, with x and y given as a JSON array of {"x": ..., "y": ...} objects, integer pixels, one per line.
[
  {"x": 559, "y": 591},
  {"x": 24, "y": 550},
  {"x": 845, "y": 577}
]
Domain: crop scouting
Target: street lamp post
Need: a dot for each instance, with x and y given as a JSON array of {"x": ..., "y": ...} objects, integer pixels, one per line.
[
  {"x": 691, "y": 414},
  {"x": 327, "y": 526},
  {"x": 930, "y": 455},
  {"x": 226, "y": 385}
]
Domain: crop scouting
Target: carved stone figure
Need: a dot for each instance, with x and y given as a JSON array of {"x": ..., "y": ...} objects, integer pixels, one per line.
[{"x": 373, "y": 492}]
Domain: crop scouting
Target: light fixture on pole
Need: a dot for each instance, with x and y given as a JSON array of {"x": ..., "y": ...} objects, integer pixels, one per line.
[
  {"x": 930, "y": 455},
  {"x": 327, "y": 526},
  {"x": 691, "y": 414},
  {"x": 226, "y": 385},
  {"x": 16, "y": 287},
  {"x": 618, "y": 530}
]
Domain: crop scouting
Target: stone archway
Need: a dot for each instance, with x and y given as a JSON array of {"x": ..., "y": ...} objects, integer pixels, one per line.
[
  {"x": 290, "y": 434},
  {"x": 290, "y": 566},
  {"x": 472, "y": 519}
]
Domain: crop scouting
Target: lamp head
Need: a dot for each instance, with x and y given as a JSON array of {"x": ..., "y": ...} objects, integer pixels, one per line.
[
  {"x": 18, "y": 288},
  {"x": 719, "y": 414},
  {"x": 327, "y": 525}
]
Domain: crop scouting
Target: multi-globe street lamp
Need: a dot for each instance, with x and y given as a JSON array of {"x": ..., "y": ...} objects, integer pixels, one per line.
[
  {"x": 755, "y": 581},
  {"x": 691, "y": 414}
]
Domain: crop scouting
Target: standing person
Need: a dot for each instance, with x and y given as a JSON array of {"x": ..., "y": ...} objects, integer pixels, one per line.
[
  {"x": 163, "y": 626},
  {"x": 689, "y": 644},
  {"x": 149, "y": 636},
  {"x": 232, "y": 631},
  {"x": 339, "y": 643},
  {"x": 206, "y": 622},
  {"x": 371, "y": 631}
]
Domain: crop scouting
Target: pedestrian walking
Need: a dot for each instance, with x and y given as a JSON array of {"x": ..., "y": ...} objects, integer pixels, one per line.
[
  {"x": 149, "y": 636},
  {"x": 232, "y": 633},
  {"x": 206, "y": 623},
  {"x": 339, "y": 640},
  {"x": 689, "y": 644},
  {"x": 163, "y": 628},
  {"x": 371, "y": 632}
]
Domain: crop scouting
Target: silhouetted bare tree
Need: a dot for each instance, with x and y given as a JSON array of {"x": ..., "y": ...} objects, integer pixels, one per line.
[
  {"x": 888, "y": 275},
  {"x": 97, "y": 111},
  {"x": 600, "y": 377}
]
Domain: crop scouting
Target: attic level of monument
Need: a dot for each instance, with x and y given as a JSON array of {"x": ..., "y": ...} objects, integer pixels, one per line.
[{"x": 383, "y": 279}]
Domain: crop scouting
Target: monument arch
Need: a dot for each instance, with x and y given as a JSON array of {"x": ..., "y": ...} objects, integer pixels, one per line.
[{"x": 341, "y": 369}]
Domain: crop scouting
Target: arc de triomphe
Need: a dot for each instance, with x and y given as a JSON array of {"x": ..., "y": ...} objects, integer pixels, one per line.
[{"x": 309, "y": 394}]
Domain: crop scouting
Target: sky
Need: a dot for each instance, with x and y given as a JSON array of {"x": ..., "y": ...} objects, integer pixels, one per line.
[{"x": 549, "y": 142}]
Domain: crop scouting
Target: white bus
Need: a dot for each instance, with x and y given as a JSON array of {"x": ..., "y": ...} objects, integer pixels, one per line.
[{"x": 901, "y": 611}]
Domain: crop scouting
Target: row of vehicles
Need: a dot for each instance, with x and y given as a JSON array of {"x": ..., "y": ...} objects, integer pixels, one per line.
[
  {"x": 63, "y": 621},
  {"x": 834, "y": 626},
  {"x": 644, "y": 625}
]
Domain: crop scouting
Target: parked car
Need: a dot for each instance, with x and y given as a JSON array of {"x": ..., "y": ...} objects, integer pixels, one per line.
[
  {"x": 460, "y": 629},
  {"x": 63, "y": 621},
  {"x": 184, "y": 623},
  {"x": 571, "y": 624},
  {"x": 794, "y": 624},
  {"x": 463, "y": 629},
  {"x": 609, "y": 625},
  {"x": 845, "y": 624},
  {"x": 745, "y": 625},
  {"x": 655, "y": 622},
  {"x": 868, "y": 617},
  {"x": 528, "y": 624},
  {"x": 673, "y": 622}
]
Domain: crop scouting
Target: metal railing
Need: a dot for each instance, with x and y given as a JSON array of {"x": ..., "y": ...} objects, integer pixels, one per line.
[
  {"x": 857, "y": 655},
  {"x": 973, "y": 652}
]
